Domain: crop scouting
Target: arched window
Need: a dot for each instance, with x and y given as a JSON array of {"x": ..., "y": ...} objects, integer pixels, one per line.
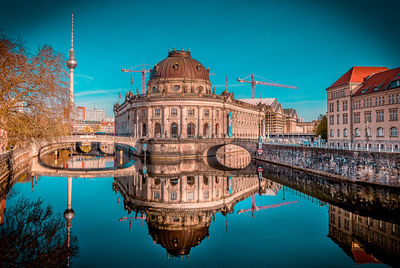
[
  {"x": 190, "y": 180},
  {"x": 174, "y": 130},
  {"x": 337, "y": 105},
  {"x": 190, "y": 130},
  {"x": 206, "y": 130},
  {"x": 154, "y": 89},
  {"x": 357, "y": 132},
  {"x": 205, "y": 180},
  {"x": 216, "y": 130},
  {"x": 379, "y": 132},
  {"x": 393, "y": 132},
  {"x": 173, "y": 182},
  {"x": 345, "y": 132},
  {"x": 157, "y": 130},
  {"x": 144, "y": 130}
]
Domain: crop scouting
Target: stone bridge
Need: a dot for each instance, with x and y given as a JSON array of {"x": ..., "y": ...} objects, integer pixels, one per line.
[{"x": 95, "y": 142}]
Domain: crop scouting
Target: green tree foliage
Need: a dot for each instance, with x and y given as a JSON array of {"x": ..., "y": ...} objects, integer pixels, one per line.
[
  {"x": 34, "y": 97},
  {"x": 33, "y": 236},
  {"x": 321, "y": 127}
]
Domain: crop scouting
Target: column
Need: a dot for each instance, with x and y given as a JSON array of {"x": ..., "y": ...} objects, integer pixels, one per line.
[
  {"x": 181, "y": 133},
  {"x": 149, "y": 126},
  {"x": 212, "y": 123},
  {"x": 165, "y": 127},
  {"x": 198, "y": 121}
]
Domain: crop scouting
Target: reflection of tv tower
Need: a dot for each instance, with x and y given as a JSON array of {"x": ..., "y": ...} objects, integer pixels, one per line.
[{"x": 69, "y": 213}]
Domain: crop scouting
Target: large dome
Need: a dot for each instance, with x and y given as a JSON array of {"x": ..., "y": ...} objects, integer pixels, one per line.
[{"x": 179, "y": 65}]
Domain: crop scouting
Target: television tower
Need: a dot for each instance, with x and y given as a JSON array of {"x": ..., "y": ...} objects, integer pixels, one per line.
[
  {"x": 68, "y": 216},
  {"x": 71, "y": 64}
]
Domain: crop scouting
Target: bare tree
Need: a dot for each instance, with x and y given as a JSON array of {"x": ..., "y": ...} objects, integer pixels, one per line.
[
  {"x": 33, "y": 236},
  {"x": 33, "y": 92}
]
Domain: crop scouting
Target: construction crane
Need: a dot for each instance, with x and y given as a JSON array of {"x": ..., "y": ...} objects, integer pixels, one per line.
[
  {"x": 254, "y": 83},
  {"x": 143, "y": 71},
  {"x": 254, "y": 207}
]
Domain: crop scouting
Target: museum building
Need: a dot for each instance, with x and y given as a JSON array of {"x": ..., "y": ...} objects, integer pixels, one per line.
[{"x": 181, "y": 103}]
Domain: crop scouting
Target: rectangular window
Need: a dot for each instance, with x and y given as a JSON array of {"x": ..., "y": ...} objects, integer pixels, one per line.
[
  {"x": 173, "y": 196},
  {"x": 174, "y": 112},
  {"x": 191, "y": 112},
  {"x": 344, "y": 105},
  {"x": 206, "y": 113},
  {"x": 206, "y": 194},
  {"x": 331, "y": 120},
  {"x": 338, "y": 119},
  {"x": 331, "y": 107},
  {"x": 144, "y": 113},
  {"x": 380, "y": 116},
  {"x": 393, "y": 114},
  {"x": 157, "y": 112},
  {"x": 345, "y": 119},
  {"x": 217, "y": 114},
  {"x": 190, "y": 195},
  {"x": 157, "y": 195},
  {"x": 367, "y": 117},
  {"x": 356, "y": 117}
]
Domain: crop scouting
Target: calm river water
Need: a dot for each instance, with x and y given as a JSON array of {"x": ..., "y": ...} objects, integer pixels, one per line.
[{"x": 191, "y": 215}]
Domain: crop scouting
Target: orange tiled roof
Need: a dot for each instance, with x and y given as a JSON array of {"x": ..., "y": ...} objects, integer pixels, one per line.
[
  {"x": 357, "y": 74},
  {"x": 378, "y": 82},
  {"x": 362, "y": 257}
]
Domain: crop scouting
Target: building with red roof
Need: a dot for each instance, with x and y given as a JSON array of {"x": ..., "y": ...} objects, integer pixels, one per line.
[{"x": 363, "y": 109}]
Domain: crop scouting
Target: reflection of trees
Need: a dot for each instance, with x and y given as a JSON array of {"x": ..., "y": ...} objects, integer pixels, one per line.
[{"x": 33, "y": 236}]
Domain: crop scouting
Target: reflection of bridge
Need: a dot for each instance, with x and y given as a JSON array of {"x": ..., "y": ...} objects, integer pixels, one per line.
[
  {"x": 40, "y": 170},
  {"x": 88, "y": 140},
  {"x": 157, "y": 148}
]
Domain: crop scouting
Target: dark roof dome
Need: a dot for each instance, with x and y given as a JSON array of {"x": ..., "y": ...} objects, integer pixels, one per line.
[
  {"x": 179, "y": 65},
  {"x": 178, "y": 242}
]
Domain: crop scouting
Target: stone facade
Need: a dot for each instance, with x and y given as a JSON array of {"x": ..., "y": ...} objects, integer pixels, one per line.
[
  {"x": 179, "y": 103},
  {"x": 372, "y": 167},
  {"x": 363, "y": 107}
]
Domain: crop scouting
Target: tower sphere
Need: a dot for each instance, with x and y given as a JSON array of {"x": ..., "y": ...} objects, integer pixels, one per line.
[
  {"x": 69, "y": 214},
  {"x": 71, "y": 62}
]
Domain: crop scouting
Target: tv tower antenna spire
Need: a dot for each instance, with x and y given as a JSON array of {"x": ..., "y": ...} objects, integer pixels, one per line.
[{"x": 71, "y": 64}]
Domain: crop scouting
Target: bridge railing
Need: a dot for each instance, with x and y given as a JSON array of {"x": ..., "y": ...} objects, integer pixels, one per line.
[
  {"x": 97, "y": 137},
  {"x": 353, "y": 147}
]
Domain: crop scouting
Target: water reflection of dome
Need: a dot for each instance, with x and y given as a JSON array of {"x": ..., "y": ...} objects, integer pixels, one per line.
[
  {"x": 179, "y": 207},
  {"x": 178, "y": 232}
]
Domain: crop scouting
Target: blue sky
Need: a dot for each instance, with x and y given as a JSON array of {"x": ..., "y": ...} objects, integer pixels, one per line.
[{"x": 308, "y": 44}]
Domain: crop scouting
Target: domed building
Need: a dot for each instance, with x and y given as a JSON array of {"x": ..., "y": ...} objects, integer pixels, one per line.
[
  {"x": 179, "y": 201},
  {"x": 181, "y": 103}
]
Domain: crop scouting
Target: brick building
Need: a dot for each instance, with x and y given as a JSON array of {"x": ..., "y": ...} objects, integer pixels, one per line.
[{"x": 363, "y": 109}]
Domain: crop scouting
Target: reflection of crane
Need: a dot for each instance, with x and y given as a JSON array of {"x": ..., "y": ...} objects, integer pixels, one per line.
[
  {"x": 143, "y": 71},
  {"x": 141, "y": 218},
  {"x": 256, "y": 208},
  {"x": 254, "y": 83}
]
